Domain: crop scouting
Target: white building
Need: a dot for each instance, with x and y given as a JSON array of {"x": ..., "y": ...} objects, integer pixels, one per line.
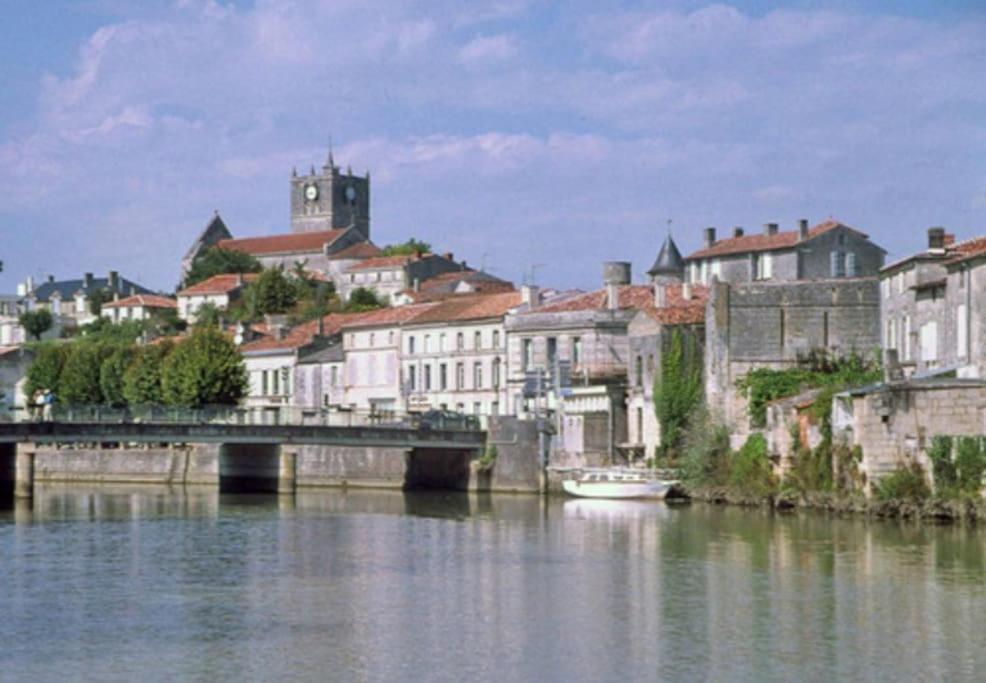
[
  {"x": 219, "y": 291},
  {"x": 138, "y": 307},
  {"x": 454, "y": 355}
]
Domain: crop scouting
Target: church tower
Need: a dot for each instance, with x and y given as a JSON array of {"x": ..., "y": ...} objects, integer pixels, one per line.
[{"x": 329, "y": 200}]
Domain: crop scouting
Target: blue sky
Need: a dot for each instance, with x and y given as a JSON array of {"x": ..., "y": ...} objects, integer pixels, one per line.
[{"x": 511, "y": 132}]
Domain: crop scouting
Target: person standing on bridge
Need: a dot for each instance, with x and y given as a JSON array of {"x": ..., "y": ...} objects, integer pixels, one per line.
[{"x": 49, "y": 403}]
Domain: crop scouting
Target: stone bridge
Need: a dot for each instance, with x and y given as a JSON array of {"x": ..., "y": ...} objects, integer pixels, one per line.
[{"x": 241, "y": 457}]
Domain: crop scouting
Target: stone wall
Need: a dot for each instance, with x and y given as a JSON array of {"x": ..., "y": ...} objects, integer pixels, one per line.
[
  {"x": 197, "y": 464},
  {"x": 516, "y": 467},
  {"x": 351, "y": 466}
]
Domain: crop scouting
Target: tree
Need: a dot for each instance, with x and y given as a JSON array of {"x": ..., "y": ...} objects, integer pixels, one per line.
[
  {"x": 142, "y": 378},
  {"x": 362, "y": 299},
  {"x": 677, "y": 388},
  {"x": 205, "y": 368},
  {"x": 216, "y": 261},
  {"x": 97, "y": 299},
  {"x": 105, "y": 330},
  {"x": 273, "y": 292},
  {"x": 46, "y": 369},
  {"x": 111, "y": 375},
  {"x": 207, "y": 315},
  {"x": 412, "y": 246},
  {"x": 36, "y": 323},
  {"x": 79, "y": 382}
]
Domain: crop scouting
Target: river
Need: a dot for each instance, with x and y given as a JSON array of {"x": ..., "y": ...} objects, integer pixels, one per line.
[{"x": 125, "y": 584}]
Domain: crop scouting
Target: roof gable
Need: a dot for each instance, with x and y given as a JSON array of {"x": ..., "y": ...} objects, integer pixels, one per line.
[{"x": 763, "y": 242}]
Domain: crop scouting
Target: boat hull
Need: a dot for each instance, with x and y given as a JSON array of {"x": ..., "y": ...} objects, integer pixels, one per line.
[{"x": 617, "y": 490}]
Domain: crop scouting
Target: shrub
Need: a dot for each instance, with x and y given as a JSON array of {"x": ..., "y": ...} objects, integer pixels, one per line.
[
  {"x": 46, "y": 369},
  {"x": 705, "y": 450},
  {"x": 362, "y": 299},
  {"x": 677, "y": 389},
  {"x": 216, "y": 261},
  {"x": 970, "y": 463},
  {"x": 205, "y": 368},
  {"x": 408, "y": 248},
  {"x": 36, "y": 323},
  {"x": 907, "y": 482},
  {"x": 750, "y": 470}
]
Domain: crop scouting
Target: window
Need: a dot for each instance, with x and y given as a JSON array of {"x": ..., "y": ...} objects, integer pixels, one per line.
[
  {"x": 442, "y": 376},
  {"x": 891, "y": 341},
  {"x": 427, "y": 343},
  {"x": 906, "y": 338},
  {"x": 929, "y": 342},
  {"x": 275, "y": 381},
  {"x": 763, "y": 266},
  {"x": 426, "y": 377},
  {"x": 412, "y": 378},
  {"x": 263, "y": 382},
  {"x": 837, "y": 264},
  {"x": 576, "y": 350},
  {"x": 410, "y": 346},
  {"x": 372, "y": 338},
  {"x": 962, "y": 329},
  {"x": 496, "y": 339},
  {"x": 852, "y": 268},
  {"x": 552, "y": 352},
  {"x": 460, "y": 375},
  {"x": 459, "y": 342},
  {"x": 477, "y": 376},
  {"x": 495, "y": 408},
  {"x": 638, "y": 371},
  {"x": 477, "y": 340},
  {"x": 528, "y": 359},
  {"x": 441, "y": 342},
  {"x": 390, "y": 338},
  {"x": 640, "y": 425},
  {"x": 477, "y": 408},
  {"x": 333, "y": 376},
  {"x": 496, "y": 373}
]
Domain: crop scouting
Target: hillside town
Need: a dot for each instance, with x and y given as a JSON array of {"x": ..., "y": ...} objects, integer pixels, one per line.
[{"x": 404, "y": 329}]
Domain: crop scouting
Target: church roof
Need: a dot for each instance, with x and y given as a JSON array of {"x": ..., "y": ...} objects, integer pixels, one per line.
[
  {"x": 360, "y": 250},
  {"x": 293, "y": 243},
  {"x": 669, "y": 261}
]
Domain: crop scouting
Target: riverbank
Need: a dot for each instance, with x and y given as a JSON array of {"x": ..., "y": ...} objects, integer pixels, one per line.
[{"x": 934, "y": 510}]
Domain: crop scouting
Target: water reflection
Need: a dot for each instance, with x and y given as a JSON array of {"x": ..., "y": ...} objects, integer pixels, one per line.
[{"x": 117, "y": 582}]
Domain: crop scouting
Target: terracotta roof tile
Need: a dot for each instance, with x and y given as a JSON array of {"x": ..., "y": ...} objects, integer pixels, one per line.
[
  {"x": 219, "y": 284},
  {"x": 301, "y": 335},
  {"x": 145, "y": 300},
  {"x": 678, "y": 310},
  {"x": 360, "y": 250},
  {"x": 382, "y": 262},
  {"x": 388, "y": 316},
  {"x": 469, "y": 307},
  {"x": 764, "y": 242},
  {"x": 283, "y": 244},
  {"x": 967, "y": 249}
]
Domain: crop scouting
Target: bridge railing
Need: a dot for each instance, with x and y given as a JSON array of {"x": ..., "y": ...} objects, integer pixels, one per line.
[{"x": 285, "y": 415}]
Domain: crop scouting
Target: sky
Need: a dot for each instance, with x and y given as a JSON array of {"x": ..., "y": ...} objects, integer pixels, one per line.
[{"x": 524, "y": 136}]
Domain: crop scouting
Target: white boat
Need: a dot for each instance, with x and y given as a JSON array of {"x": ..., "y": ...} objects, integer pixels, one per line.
[{"x": 617, "y": 483}]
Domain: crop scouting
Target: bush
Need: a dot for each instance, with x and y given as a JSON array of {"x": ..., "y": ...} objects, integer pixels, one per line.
[
  {"x": 750, "y": 470},
  {"x": 942, "y": 465},
  {"x": 362, "y": 299},
  {"x": 705, "y": 450},
  {"x": 205, "y": 368},
  {"x": 677, "y": 389},
  {"x": 408, "y": 248},
  {"x": 907, "y": 482},
  {"x": 970, "y": 463},
  {"x": 46, "y": 369},
  {"x": 273, "y": 292},
  {"x": 142, "y": 378}
]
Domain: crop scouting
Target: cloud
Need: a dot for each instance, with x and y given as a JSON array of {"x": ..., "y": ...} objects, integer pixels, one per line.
[{"x": 502, "y": 128}]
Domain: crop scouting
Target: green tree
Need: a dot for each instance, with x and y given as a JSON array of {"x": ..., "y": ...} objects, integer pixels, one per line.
[
  {"x": 46, "y": 369},
  {"x": 36, "y": 323},
  {"x": 205, "y": 368},
  {"x": 207, "y": 315},
  {"x": 79, "y": 382},
  {"x": 362, "y": 299},
  {"x": 677, "y": 388},
  {"x": 273, "y": 292},
  {"x": 111, "y": 375},
  {"x": 97, "y": 299},
  {"x": 142, "y": 378},
  {"x": 408, "y": 248},
  {"x": 105, "y": 330},
  {"x": 216, "y": 261}
]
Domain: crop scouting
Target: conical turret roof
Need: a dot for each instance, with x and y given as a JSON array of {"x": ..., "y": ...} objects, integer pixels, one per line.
[{"x": 669, "y": 261}]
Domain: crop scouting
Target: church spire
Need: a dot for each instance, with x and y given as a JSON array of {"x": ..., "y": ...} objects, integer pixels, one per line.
[{"x": 330, "y": 162}]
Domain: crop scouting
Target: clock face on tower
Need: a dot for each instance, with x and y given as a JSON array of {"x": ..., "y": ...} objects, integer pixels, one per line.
[
  {"x": 350, "y": 194},
  {"x": 311, "y": 192}
]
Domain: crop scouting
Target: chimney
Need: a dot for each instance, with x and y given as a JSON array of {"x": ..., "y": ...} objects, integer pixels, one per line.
[
  {"x": 449, "y": 256},
  {"x": 615, "y": 275},
  {"x": 417, "y": 284},
  {"x": 686, "y": 291},
  {"x": 936, "y": 239},
  {"x": 239, "y": 279},
  {"x": 113, "y": 280},
  {"x": 660, "y": 295},
  {"x": 737, "y": 231},
  {"x": 802, "y": 229},
  {"x": 51, "y": 278},
  {"x": 530, "y": 295},
  {"x": 87, "y": 281},
  {"x": 710, "y": 237},
  {"x": 770, "y": 229}
]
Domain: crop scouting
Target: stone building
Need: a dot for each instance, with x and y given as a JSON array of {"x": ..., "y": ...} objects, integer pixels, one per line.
[
  {"x": 829, "y": 250},
  {"x": 933, "y": 307},
  {"x": 776, "y": 324},
  {"x": 330, "y": 200},
  {"x": 138, "y": 307},
  {"x": 450, "y": 284},
  {"x": 454, "y": 355},
  {"x": 213, "y": 232},
  {"x": 388, "y": 276},
  {"x": 319, "y": 377},
  {"x": 71, "y": 301},
  {"x": 675, "y": 306}
]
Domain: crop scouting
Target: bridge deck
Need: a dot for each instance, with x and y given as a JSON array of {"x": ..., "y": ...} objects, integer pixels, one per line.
[{"x": 208, "y": 432}]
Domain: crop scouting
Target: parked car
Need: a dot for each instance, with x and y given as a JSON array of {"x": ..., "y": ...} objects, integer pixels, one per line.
[{"x": 447, "y": 419}]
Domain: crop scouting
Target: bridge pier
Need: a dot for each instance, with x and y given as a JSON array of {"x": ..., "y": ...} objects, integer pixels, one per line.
[
  {"x": 24, "y": 473},
  {"x": 287, "y": 471}
]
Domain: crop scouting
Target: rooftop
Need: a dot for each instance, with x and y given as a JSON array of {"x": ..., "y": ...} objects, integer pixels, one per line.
[
  {"x": 360, "y": 250},
  {"x": 219, "y": 284},
  {"x": 145, "y": 300},
  {"x": 302, "y": 242},
  {"x": 764, "y": 242},
  {"x": 639, "y": 297},
  {"x": 464, "y": 307}
]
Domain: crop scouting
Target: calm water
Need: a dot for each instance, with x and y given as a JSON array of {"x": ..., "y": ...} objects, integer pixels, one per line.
[{"x": 118, "y": 584}]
